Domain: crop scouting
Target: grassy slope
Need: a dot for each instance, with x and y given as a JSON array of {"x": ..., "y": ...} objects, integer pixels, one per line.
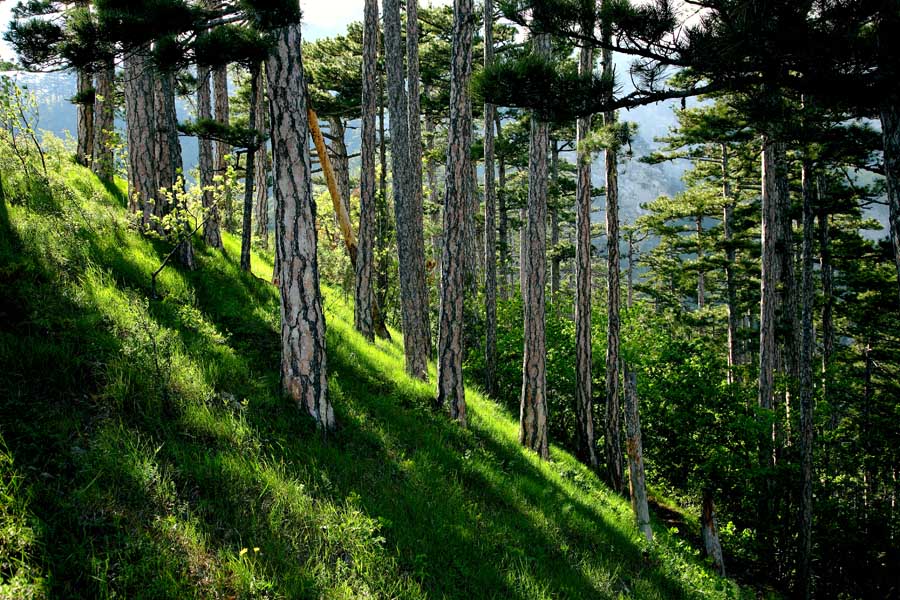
[{"x": 148, "y": 453}]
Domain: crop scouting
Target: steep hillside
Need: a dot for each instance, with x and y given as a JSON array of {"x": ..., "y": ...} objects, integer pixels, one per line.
[{"x": 148, "y": 453}]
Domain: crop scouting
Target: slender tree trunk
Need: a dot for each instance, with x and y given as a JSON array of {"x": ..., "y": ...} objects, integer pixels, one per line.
[
  {"x": 450, "y": 390},
  {"x": 827, "y": 286},
  {"x": 730, "y": 288},
  {"x": 250, "y": 172},
  {"x": 103, "y": 164},
  {"x": 523, "y": 250},
  {"x": 629, "y": 299},
  {"x": 261, "y": 175},
  {"x": 364, "y": 292},
  {"x": 635, "y": 446},
  {"x": 140, "y": 115},
  {"x": 701, "y": 276},
  {"x": 709, "y": 531},
  {"x": 807, "y": 347},
  {"x": 431, "y": 183},
  {"x": 383, "y": 218},
  {"x": 85, "y": 104},
  {"x": 211, "y": 232},
  {"x": 787, "y": 314},
  {"x": 407, "y": 211},
  {"x": 490, "y": 228},
  {"x": 612, "y": 447},
  {"x": 220, "y": 94},
  {"x": 890, "y": 132},
  {"x": 340, "y": 160},
  {"x": 554, "y": 226},
  {"x": 584, "y": 401},
  {"x": 533, "y": 411},
  {"x": 503, "y": 242},
  {"x": 303, "y": 359}
]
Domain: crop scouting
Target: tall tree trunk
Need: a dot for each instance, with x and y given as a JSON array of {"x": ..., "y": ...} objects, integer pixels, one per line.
[
  {"x": 554, "y": 226},
  {"x": 503, "y": 242},
  {"x": 612, "y": 447},
  {"x": 890, "y": 132},
  {"x": 450, "y": 390},
  {"x": 407, "y": 211},
  {"x": 383, "y": 223},
  {"x": 523, "y": 250},
  {"x": 431, "y": 182},
  {"x": 250, "y": 172},
  {"x": 140, "y": 116},
  {"x": 340, "y": 159},
  {"x": 635, "y": 447},
  {"x": 807, "y": 347},
  {"x": 103, "y": 164},
  {"x": 701, "y": 276},
  {"x": 261, "y": 175},
  {"x": 211, "y": 232},
  {"x": 787, "y": 315},
  {"x": 364, "y": 295},
  {"x": 220, "y": 94},
  {"x": 584, "y": 401},
  {"x": 827, "y": 286},
  {"x": 533, "y": 409},
  {"x": 709, "y": 531},
  {"x": 730, "y": 288},
  {"x": 85, "y": 110},
  {"x": 629, "y": 296},
  {"x": 490, "y": 227},
  {"x": 303, "y": 359}
]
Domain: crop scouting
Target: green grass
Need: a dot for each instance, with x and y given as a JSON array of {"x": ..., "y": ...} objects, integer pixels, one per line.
[{"x": 147, "y": 451}]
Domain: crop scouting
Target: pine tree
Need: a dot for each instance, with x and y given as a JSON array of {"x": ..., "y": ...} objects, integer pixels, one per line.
[{"x": 490, "y": 226}]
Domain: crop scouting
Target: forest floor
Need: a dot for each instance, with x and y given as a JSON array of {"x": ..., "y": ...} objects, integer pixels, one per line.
[{"x": 147, "y": 451}]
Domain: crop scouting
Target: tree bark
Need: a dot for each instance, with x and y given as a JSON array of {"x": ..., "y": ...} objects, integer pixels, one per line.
[
  {"x": 141, "y": 133},
  {"x": 261, "y": 175},
  {"x": 383, "y": 218},
  {"x": 709, "y": 531},
  {"x": 223, "y": 150},
  {"x": 340, "y": 160},
  {"x": 85, "y": 110},
  {"x": 250, "y": 172},
  {"x": 103, "y": 163},
  {"x": 635, "y": 447},
  {"x": 890, "y": 132},
  {"x": 554, "y": 226},
  {"x": 612, "y": 447},
  {"x": 533, "y": 406},
  {"x": 364, "y": 294},
  {"x": 407, "y": 211},
  {"x": 584, "y": 401},
  {"x": 523, "y": 250},
  {"x": 827, "y": 286},
  {"x": 211, "y": 231},
  {"x": 786, "y": 315},
  {"x": 730, "y": 288},
  {"x": 701, "y": 276},
  {"x": 303, "y": 358},
  {"x": 807, "y": 347},
  {"x": 451, "y": 392},
  {"x": 490, "y": 227},
  {"x": 503, "y": 231}
]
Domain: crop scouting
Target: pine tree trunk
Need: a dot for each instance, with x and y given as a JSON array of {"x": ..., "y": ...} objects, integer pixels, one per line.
[
  {"x": 340, "y": 160},
  {"x": 85, "y": 110},
  {"x": 220, "y": 95},
  {"x": 523, "y": 250},
  {"x": 103, "y": 164},
  {"x": 364, "y": 295},
  {"x": 503, "y": 242},
  {"x": 787, "y": 315},
  {"x": 533, "y": 409},
  {"x": 612, "y": 447},
  {"x": 890, "y": 132},
  {"x": 554, "y": 226},
  {"x": 211, "y": 232},
  {"x": 140, "y": 115},
  {"x": 450, "y": 390},
  {"x": 383, "y": 218},
  {"x": 635, "y": 446},
  {"x": 250, "y": 172},
  {"x": 701, "y": 276},
  {"x": 407, "y": 211},
  {"x": 303, "y": 359},
  {"x": 584, "y": 401},
  {"x": 730, "y": 288},
  {"x": 807, "y": 347},
  {"x": 261, "y": 176},
  {"x": 709, "y": 531},
  {"x": 490, "y": 227},
  {"x": 827, "y": 287},
  {"x": 629, "y": 298}
]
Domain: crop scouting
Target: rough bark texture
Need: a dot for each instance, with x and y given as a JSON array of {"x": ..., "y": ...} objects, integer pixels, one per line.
[
  {"x": 890, "y": 131},
  {"x": 141, "y": 132},
  {"x": 807, "y": 347},
  {"x": 555, "y": 261},
  {"x": 220, "y": 94},
  {"x": 533, "y": 406},
  {"x": 701, "y": 276},
  {"x": 503, "y": 225},
  {"x": 383, "y": 218},
  {"x": 635, "y": 446},
  {"x": 450, "y": 390},
  {"x": 709, "y": 531},
  {"x": 103, "y": 163},
  {"x": 303, "y": 361},
  {"x": 250, "y": 173},
  {"x": 523, "y": 250},
  {"x": 407, "y": 211},
  {"x": 490, "y": 225},
  {"x": 261, "y": 175},
  {"x": 415, "y": 106},
  {"x": 340, "y": 159},
  {"x": 730, "y": 288},
  {"x": 85, "y": 110},
  {"x": 787, "y": 322},
  {"x": 827, "y": 286},
  {"x": 211, "y": 230},
  {"x": 364, "y": 294},
  {"x": 584, "y": 401},
  {"x": 611, "y": 445}
]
